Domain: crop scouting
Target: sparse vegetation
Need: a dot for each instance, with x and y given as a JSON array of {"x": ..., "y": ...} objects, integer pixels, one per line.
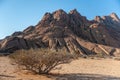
[{"x": 41, "y": 61}]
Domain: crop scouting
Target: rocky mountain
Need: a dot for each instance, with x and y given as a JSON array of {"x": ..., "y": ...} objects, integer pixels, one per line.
[{"x": 69, "y": 31}]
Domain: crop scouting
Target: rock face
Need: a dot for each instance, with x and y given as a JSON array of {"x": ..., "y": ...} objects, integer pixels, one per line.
[
  {"x": 112, "y": 23},
  {"x": 69, "y": 31}
]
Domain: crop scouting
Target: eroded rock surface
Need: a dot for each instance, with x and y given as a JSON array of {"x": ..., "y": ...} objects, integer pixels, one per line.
[{"x": 69, "y": 31}]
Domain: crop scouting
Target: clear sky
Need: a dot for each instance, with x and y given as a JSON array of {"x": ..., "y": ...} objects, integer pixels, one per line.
[{"x": 16, "y": 15}]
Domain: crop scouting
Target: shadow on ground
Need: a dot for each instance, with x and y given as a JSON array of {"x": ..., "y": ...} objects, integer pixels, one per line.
[
  {"x": 6, "y": 76},
  {"x": 81, "y": 77}
]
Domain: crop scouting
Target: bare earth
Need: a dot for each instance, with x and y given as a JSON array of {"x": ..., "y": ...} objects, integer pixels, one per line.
[{"x": 81, "y": 69}]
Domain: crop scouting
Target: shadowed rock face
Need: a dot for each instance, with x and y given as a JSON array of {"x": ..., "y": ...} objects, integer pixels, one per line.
[
  {"x": 69, "y": 31},
  {"x": 112, "y": 24}
]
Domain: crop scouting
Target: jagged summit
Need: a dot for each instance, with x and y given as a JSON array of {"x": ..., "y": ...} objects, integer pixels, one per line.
[
  {"x": 69, "y": 31},
  {"x": 112, "y": 16},
  {"x": 59, "y": 11},
  {"x": 74, "y": 11},
  {"x": 98, "y": 19},
  {"x": 59, "y": 14},
  {"x": 115, "y": 17}
]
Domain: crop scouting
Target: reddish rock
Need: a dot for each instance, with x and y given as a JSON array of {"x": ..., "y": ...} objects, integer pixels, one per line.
[{"x": 70, "y": 31}]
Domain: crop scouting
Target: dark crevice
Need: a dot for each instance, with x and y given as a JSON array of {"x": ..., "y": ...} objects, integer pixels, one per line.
[
  {"x": 93, "y": 38},
  {"x": 26, "y": 43}
]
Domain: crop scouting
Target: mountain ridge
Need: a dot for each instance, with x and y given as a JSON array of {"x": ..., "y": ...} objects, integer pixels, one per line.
[{"x": 70, "y": 31}]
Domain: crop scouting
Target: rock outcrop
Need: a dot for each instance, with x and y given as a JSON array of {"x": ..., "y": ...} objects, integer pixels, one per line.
[{"x": 69, "y": 31}]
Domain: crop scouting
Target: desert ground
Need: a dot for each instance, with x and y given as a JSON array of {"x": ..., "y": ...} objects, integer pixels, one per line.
[{"x": 80, "y": 69}]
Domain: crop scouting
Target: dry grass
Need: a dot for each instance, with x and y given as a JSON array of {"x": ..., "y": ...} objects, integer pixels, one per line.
[{"x": 40, "y": 61}]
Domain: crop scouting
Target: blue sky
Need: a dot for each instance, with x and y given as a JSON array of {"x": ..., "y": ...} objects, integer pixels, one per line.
[{"x": 16, "y": 15}]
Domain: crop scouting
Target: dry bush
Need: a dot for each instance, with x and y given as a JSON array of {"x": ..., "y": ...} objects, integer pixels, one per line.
[{"x": 41, "y": 61}]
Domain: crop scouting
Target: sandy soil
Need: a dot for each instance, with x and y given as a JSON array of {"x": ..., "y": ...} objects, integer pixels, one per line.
[{"x": 81, "y": 69}]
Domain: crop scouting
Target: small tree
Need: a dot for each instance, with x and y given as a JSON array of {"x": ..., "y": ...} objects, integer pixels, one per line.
[{"x": 41, "y": 61}]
